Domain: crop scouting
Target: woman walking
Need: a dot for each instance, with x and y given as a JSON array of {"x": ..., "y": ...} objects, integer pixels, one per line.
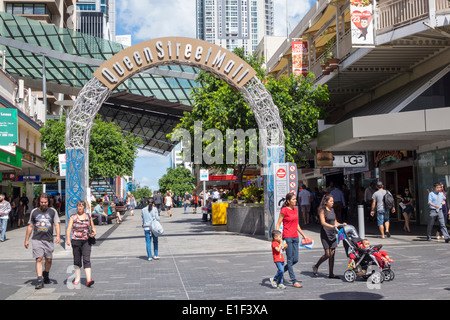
[
  {"x": 328, "y": 221},
  {"x": 148, "y": 214},
  {"x": 291, "y": 229},
  {"x": 81, "y": 227}
]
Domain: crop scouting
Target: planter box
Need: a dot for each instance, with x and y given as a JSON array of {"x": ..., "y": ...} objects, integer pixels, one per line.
[{"x": 248, "y": 219}]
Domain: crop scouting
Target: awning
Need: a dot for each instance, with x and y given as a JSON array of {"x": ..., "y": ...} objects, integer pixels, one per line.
[{"x": 399, "y": 131}]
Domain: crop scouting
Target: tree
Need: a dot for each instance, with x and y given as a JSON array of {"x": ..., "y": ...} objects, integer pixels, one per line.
[
  {"x": 142, "y": 193},
  {"x": 220, "y": 107},
  {"x": 179, "y": 180},
  {"x": 111, "y": 153}
]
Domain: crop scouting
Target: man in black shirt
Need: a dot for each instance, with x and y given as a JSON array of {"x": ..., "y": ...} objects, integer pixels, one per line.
[{"x": 41, "y": 223}]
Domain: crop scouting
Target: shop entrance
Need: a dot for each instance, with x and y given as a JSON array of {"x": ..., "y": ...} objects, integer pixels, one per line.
[{"x": 396, "y": 181}]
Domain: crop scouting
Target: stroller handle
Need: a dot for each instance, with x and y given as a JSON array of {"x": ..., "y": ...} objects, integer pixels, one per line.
[{"x": 339, "y": 226}]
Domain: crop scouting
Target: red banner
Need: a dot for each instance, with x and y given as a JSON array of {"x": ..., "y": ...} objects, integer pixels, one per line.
[{"x": 300, "y": 61}]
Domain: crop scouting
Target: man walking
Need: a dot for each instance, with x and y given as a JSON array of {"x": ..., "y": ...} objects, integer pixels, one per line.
[
  {"x": 5, "y": 209},
  {"x": 435, "y": 199},
  {"x": 379, "y": 206},
  {"x": 41, "y": 223},
  {"x": 158, "y": 201}
]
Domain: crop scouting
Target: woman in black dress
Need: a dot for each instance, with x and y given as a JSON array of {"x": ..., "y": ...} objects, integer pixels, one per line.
[{"x": 327, "y": 234}]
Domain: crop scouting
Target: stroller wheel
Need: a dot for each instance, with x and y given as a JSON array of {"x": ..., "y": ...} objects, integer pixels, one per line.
[
  {"x": 376, "y": 277},
  {"x": 349, "y": 275},
  {"x": 389, "y": 274}
]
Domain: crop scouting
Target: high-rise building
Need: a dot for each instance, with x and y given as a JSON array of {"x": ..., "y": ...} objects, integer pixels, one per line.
[
  {"x": 234, "y": 23},
  {"x": 97, "y": 18}
]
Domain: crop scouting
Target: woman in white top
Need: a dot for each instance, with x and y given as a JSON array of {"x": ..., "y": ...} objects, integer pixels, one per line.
[{"x": 168, "y": 203}]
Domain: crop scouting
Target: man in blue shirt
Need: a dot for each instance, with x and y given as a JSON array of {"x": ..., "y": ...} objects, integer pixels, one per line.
[{"x": 435, "y": 199}]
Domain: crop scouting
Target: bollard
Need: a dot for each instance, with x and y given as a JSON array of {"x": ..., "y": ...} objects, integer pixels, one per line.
[{"x": 362, "y": 231}]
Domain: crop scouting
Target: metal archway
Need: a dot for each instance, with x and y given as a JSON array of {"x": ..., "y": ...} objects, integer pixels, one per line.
[{"x": 164, "y": 51}]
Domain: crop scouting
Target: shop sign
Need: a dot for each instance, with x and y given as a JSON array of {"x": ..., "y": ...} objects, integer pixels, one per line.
[
  {"x": 328, "y": 160},
  {"x": 362, "y": 28},
  {"x": 34, "y": 178},
  {"x": 49, "y": 180},
  {"x": 8, "y": 176},
  {"x": 381, "y": 157},
  {"x": 300, "y": 60},
  {"x": 178, "y": 50}
]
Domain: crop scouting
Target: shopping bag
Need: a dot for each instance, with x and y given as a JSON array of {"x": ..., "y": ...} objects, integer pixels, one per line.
[{"x": 307, "y": 243}]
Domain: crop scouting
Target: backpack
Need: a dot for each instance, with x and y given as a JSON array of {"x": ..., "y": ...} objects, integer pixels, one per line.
[{"x": 388, "y": 201}]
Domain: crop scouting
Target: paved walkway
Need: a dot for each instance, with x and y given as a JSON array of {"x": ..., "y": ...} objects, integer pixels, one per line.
[{"x": 203, "y": 262}]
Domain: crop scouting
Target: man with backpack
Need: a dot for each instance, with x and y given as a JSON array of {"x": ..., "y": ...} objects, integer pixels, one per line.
[{"x": 383, "y": 205}]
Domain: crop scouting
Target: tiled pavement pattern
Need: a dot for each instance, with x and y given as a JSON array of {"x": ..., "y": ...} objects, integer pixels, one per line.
[{"x": 204, "y": 262}]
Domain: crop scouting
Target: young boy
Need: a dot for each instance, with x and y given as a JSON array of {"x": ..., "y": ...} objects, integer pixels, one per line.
[
  {"x": 381, "y": 256},
  {"x": 278, "y": 259}
]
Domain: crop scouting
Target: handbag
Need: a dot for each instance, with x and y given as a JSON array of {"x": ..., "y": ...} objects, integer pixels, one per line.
[
  {"x": 156, "y": 227},
  {"x": 91, "y": 240}
]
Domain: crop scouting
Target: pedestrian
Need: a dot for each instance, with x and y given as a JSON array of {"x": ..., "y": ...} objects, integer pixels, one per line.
[
  {"x": 82, "y": 228},
  {"x": 278, "y": 259},
  {"x": 132, "y": 204},
  {"x": 380, "y": 207},
  {"x": 168, "y": 203},
  {"x": 158, "y": 201},
  {"x": 406, "y": 201},
  {"x": 328, "y": 220},
  {"x": 304, "y": 199},
  {"x": 5, "y": 209},
  {"x": 368, "y": 194},
  {"x": 42, "y": 221},
  {"x": 195, "y": 202},
  {"x": 148, "y": 214},
  {"x": 20, "y": 213},
  {"x": 186, "y": 202},
  {"x": 339, "y": 202},
  {"x": 435, "y": 201},
  {"x": 291, "y": 229},
  {"x": 98, "y": 212}
]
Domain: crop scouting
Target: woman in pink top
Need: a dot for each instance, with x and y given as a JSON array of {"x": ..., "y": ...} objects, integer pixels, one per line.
[
  {"x": 291, "y": 229},
  {"x": 77, "y": 235}
]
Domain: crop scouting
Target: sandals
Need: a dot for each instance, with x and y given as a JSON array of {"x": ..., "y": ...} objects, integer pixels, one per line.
[{"x": 90, "y": 283}]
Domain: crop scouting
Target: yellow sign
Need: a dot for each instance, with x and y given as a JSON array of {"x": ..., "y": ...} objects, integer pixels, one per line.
[
  {"x": 49, "y": 180},
  {"x": 175, "y": 50}
]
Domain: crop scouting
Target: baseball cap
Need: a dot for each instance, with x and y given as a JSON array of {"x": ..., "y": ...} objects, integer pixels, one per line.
[{"x": 379, "y": 184}]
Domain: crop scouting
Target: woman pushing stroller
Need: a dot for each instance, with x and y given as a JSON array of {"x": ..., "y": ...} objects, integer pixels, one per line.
[{"x": 329, "y": 224}]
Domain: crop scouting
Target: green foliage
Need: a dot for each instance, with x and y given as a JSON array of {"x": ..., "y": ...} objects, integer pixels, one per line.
[
  {"x": 142, "y": 193},
  {"x": 110, "y": 152},
  {"x": 179, "y": 180},
  {"x": 220, "y": 107}
]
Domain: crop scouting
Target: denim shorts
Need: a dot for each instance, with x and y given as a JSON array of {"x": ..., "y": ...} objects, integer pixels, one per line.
[{"x": 382, "y": 217}]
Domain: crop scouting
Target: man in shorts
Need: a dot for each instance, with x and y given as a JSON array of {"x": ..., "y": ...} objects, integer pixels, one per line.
[
  {"x": 41, "y": 223},
  {"x": 383, "y": 213}
]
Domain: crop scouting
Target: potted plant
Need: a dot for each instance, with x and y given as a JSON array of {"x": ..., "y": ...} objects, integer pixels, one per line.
[
  {"x": 324, "y": 64},
  {"x": 333, "y": 63}
]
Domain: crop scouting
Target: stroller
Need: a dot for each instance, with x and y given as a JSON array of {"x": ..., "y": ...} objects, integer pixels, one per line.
[{"x": 362, "y": 261}]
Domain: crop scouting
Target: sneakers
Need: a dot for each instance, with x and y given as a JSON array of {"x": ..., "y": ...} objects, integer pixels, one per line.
[
  {"x": 46, "y": 277},
  {"x": 40, "y": 283},
  {"x": 273, "y": 283},
  {"x": 281, "y": 286}
]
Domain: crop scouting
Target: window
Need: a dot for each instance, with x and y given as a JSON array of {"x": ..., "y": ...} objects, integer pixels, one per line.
[{"x": 27, "y": 8}]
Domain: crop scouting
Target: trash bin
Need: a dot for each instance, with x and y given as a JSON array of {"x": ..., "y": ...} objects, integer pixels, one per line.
[{"x": 219, "y": 213}]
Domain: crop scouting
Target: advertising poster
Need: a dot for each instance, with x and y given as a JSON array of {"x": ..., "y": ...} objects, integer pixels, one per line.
[
  {"x": 361, "y": 13},
  {"x": 8, "y": 127},
  {"x": 300, "y": 61}
]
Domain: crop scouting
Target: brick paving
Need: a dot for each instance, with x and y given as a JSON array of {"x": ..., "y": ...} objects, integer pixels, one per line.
[{"x": 204, "y": 262}]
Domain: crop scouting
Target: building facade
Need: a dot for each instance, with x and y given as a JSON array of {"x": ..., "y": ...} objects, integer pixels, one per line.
[
  {"x": 386, "y": 65},
  {"x": 232, "y": 23},
  {"x": 97, "y": 18}
]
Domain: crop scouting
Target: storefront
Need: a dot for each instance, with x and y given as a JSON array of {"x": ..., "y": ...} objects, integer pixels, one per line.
[{"x": 433, "y": 166}]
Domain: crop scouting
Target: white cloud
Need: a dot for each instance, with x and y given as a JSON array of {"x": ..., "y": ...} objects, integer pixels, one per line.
[
  {"x": 151, "y": 19},
  {"x": 296, "y": 10}
]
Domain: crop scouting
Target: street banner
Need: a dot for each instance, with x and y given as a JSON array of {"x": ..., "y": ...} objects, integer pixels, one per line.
[
  {"x": 361, "y": 15},
  {"x": 300, "y": 60}
]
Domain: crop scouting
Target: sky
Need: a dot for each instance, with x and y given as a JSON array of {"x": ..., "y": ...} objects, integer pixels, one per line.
[{"x": 149, "y": 19}]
